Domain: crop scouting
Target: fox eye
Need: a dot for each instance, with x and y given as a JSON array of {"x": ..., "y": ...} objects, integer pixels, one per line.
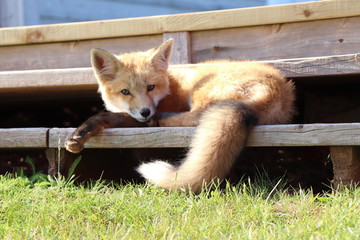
[
  {"x": 150, "y": 88},
  {"x": 125, "y": 92}
]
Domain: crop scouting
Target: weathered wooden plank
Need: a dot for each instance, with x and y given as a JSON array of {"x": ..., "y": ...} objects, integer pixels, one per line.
[
  {"x": 72, "y": 54},
  {"x": 342, "y": 134},
  {"x": 182, "y": 47},
  {"x": 43, "y": 80},
  {"x": 181, "y": 22},
  {"x": 23, "y": 138},
  {"x": 129, "y": 138},
  {"x": 312, "y": 66},
  {"x": 346, "y": 134},
  {"x": 346, "y": 164},
  {"x": 59, "y": 161},
  {"x": 319, "y": 66},
  {"x": 279, "y": 41},
  {"x": 83, "y": 79},
  {"x": 262, "y": 136}
]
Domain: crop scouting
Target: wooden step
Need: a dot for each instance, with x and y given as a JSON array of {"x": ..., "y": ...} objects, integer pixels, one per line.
[
  {"x": 343, "y": 140},
  {"x": 220, "y": 19},
  {"x": 310, "y": 29},
  {"x": 345, "y": 134},
  {"x": 24, "y": 138},
  {"x": 82, "y": 79}
]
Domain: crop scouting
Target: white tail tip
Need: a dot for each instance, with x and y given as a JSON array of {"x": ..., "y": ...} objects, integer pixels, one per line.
[{"x": 157, "y": 172}]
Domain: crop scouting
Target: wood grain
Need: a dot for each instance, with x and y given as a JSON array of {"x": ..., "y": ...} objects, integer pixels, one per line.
[
  {"x": 82, "y": 79},
  {"x": 344, "y": 140},
  {"x": 262, "y": 136},
  {"x": 23, "y": 138},
  {"x": 346, "y": 134},
  {"x": 265, "y": 42},
  {"x": 318, "y": 66},
  {"x": 129, "y": 138},
  {"x": 62, "y": 78},
  {"x": 181, "y": 22},
  {"x": 343, "y": 134},
  {"x": 72, "y": 54},
  {"x": 279, "y": 41}
]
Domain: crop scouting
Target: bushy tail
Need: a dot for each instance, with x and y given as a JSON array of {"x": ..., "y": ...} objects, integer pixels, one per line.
[{"x": 217, "y": 142}]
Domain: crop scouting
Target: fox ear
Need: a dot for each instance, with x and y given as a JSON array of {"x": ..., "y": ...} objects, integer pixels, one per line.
[
  {"x": 161, "y": 56},
  {"x": 104, "y": 64}
]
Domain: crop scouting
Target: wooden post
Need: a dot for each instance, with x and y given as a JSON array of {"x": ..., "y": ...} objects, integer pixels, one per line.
[
  {"x": 59, "y": 161},
  {"x": 346, "y": 164},
  {"x": 182, "y": 48}
]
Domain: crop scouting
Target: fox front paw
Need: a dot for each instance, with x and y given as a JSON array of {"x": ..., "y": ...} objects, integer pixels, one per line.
[
  {"x": 73, "y": 144},
  {"x": 75, "y": 141}
]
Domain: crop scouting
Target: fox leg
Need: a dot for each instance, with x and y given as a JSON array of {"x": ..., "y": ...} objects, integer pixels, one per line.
[
  {"x": 174, "y": 119},
  {"x": 75, "y": 142}
]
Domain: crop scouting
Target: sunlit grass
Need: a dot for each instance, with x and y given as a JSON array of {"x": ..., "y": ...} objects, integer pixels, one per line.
[{"x": 59, "y": 209}]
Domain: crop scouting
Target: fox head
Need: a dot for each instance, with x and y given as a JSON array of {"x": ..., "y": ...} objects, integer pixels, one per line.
[{"x": 133, "y": 82}]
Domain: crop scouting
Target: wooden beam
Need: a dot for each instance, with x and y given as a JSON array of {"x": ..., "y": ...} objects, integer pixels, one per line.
[
  {"x": 23, "y": 138},
  {"x": 343, "y": 139},
  {"x": 75, "y": 78},
  {"x": 181, "y": 22},
  {"x": 310, "y": 67},
  {"x": 129, "y": 138},
  {"x": 318, "y": 66},
  {"x": 262, "y": 136},
  {"x": 82, "y": 79},
  {"x": 346, "y": 134},
  {"x": 59, "y": 161},
  {"x": 278, "y": 41},
  {"x": 74, "y": 54},
  {"x": 346, "y": 165}
]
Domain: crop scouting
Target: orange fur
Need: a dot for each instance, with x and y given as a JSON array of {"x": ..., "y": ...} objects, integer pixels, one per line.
[{"x": 222, "y": 101}]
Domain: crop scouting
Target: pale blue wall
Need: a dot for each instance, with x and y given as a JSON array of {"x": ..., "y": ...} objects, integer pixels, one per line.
[
  {"x": 60, "y": 11},
  {"x": 275, "y": 2}
]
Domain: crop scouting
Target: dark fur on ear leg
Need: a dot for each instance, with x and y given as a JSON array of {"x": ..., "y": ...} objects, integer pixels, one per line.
[
  {"x": 154, "y": 121},
  {"x": 75, "y": 142},
  {"x": 250, "y": 117}
]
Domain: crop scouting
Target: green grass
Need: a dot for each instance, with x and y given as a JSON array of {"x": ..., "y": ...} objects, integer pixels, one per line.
[{"x": 61, "y": 210}]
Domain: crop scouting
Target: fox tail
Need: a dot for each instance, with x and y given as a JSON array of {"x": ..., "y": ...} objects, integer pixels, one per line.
[{"x": 216, "y": 144}]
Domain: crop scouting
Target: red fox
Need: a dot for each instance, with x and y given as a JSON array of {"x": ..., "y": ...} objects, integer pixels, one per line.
[{"x": 222, "y": 101}]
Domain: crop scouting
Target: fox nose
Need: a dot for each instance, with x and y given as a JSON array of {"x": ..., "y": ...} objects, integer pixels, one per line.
[{"x": 145, "y": 112}]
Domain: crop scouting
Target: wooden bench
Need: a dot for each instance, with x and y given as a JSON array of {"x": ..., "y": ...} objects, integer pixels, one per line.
[{"x": 305, "y": 41}]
